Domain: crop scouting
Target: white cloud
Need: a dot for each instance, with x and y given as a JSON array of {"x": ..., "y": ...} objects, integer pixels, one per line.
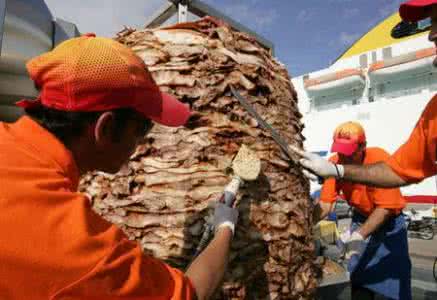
[
  {"x": 108, "y": 17},
  {"x": 304, "y": 16},
  {"x": 349, "y": 13},
  {"x": 104, "y": 19},
  {"x": 389, "y": 7},
  {"x": 268, "y": 17},
  {"x": 348, "y": 38},
  {"x": 251, "y": 16}
]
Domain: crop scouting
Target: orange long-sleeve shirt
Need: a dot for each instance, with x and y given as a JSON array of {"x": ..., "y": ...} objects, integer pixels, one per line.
[
  {"x": 417, "y": 158},
  {"x": 364, "y": 198},
  {"x": 52, "y": 245}
]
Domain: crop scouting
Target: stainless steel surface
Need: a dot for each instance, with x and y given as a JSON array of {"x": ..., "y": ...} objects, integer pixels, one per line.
[
  {"x": 335, "y": 287},
  {"x": 27, "y": 30},
  {"x": 63, "y": 30},
  {"x": 335, "y": 279}
]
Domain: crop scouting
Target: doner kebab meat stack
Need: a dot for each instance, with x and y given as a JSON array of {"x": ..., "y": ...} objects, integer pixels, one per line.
[{"x": 163, "y": 197}]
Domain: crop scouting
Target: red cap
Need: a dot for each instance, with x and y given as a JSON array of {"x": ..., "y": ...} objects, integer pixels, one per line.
[
  {"x": 415, "y": 10},
  {"x": 92, "y": 73},
  {"x": 347, "y": 137}
]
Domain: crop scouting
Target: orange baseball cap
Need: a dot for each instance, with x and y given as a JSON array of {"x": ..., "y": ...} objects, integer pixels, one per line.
[
  {"x": 347, "y": 137},
  {"x": 90, "y": 73},
  {"x": 415, "y": 10}
]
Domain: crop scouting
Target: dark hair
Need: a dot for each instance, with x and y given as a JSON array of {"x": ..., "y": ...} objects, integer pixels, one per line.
[{"x": 67, "y": 125}]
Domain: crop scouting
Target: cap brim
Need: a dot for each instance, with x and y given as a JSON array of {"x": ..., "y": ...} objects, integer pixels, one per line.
[
  {"x": 344, "y": 148},
  {"x": 28, "y": 103},
  {"x": 415, "y": 10},
  {"x": 173, "y": 113}
]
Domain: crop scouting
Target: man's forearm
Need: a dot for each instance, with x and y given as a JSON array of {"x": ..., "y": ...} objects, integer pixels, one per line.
[
  {"x": 207, "y": 270},
  {"x": 376, "y": 219},
  {"x": 378, "y": 174}
]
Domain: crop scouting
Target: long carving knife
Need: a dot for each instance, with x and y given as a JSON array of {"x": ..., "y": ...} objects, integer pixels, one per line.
[{"x": 289, "y": 150}]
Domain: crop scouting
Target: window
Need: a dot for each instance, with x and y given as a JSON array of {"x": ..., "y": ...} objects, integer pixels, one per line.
[
  {"x": 406, "y": 86},
  {"x": 363, "y": 61},
  {"x": 424, "y": 24},
  {"x": 345, "y": 98},
  {"x": 403, "y": 28},
  {"x": 386, "y": 53}
]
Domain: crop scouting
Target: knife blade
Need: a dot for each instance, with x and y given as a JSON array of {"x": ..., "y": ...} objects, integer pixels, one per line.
[
  {"x": 289, "y": 150},
  {"x": 275, "y": 135}
]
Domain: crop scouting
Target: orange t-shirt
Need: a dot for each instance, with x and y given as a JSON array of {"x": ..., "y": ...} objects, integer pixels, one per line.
[
  {"x": 364, "y": 198},
  {"x": 52, "y": 245},
  {"x": 416, "y": 159}
]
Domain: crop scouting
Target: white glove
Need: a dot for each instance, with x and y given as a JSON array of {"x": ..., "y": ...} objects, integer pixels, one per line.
[
  {"x": 343, "y": 240},
  {"x": 320, "y": 166},
  {"x": 351, "y": 243},
  {"x": 356, "y": 245},
  {"x": 225, "y": 216}
]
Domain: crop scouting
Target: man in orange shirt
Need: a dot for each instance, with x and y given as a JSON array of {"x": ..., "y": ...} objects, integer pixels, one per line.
[
  {"x": 376, "y": 244},
  {"x": 413, "y": 161},
  {"x": 96, "y": 102}
]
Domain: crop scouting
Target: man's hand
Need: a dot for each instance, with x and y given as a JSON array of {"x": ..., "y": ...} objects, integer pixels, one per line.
[
  {"x": 353, "y": 245},
  {"x": 316, "y": 165},
  {"x": 225, "y": 216}
]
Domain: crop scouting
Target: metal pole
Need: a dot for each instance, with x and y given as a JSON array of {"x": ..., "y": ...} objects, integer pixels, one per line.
[
  {"x": 2, "y": 21},
  {"x": 182, "y": 12}
]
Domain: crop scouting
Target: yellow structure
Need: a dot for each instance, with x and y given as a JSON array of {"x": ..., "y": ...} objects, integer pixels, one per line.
[{"x": 378, "y": 37}]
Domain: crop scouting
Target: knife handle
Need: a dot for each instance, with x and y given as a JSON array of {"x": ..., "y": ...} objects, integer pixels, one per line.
[{"x": 294, "y": 150}]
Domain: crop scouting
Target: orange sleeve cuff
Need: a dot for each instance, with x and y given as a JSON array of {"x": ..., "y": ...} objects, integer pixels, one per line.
[
  {"x": 402, "y": 163},
  {"x": 415, "y": 159},
  {"x": 183, "y": 288}
]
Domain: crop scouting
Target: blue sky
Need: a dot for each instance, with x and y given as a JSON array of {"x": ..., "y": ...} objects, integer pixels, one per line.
[{"x": 308, "y": 34}]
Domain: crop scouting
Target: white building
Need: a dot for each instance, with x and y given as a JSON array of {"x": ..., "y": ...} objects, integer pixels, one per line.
[{"x": 383, "y": 81}]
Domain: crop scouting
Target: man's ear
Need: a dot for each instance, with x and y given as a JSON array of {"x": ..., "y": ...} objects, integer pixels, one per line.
[{"x": 103, "y": 131}]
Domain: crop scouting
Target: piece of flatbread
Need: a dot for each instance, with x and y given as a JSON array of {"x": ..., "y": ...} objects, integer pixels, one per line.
[{"x": 246, "y": 164}]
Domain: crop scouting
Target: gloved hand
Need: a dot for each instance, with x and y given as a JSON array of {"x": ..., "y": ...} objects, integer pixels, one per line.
[
  {"x": 225, "y": 216},
  {"x": 352, "y": 244},
  {"x": 355, "y": 245},
  {"x": 320, "y": 166}
]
